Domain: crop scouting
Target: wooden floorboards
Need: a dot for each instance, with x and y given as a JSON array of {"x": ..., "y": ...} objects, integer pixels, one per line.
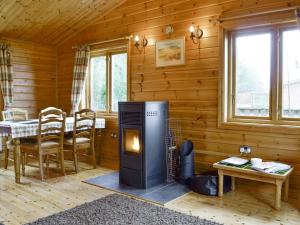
[{"x": 34, "y": 199}]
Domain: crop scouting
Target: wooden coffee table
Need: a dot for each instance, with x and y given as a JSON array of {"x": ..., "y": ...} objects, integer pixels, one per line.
[{"x": 250, "y": 174}]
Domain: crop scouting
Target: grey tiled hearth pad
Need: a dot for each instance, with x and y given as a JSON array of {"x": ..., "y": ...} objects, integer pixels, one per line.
[{"x": 160, "y": 194}]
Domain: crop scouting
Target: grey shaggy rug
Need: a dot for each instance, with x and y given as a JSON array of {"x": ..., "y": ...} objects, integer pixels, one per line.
[{"x": 120, "y": 210}]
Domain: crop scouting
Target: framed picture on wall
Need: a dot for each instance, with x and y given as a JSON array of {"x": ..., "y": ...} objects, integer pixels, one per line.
[{"x": 170, "y": 52}]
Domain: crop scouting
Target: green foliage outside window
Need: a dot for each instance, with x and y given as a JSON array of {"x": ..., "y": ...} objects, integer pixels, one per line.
[{"x": 99, "y": 85}]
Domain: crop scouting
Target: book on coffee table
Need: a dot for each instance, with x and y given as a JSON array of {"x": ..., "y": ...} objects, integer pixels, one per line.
[{"x": 235, "y": 161}]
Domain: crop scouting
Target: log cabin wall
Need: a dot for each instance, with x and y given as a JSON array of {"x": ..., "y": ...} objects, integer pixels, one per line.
[
  {"x": 192, "y": 89},
  {"x": 34, "y": 82}
]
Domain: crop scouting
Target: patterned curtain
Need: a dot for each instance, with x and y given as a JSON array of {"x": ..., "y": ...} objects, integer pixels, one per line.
[
  {"x": 79, "y": 75},
  {"x": 6, "y": 75},
  {"x": 297, "y": 11}
]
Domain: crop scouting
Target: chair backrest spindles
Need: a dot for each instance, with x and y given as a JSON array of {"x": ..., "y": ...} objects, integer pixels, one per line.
[
  {"x": 51, "y": 125},
  {"x": 14, "y": 114},
  {"x": 84, "y": 124}
]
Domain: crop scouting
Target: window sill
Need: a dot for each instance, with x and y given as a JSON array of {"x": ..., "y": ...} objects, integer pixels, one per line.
[{"x": 262, "y": 126}]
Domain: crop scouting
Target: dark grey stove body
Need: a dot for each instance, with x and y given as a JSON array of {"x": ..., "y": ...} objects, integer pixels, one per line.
[{"x": 142, "y": 127}]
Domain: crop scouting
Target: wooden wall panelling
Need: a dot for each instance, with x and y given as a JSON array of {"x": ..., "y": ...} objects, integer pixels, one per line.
[
  {"x": 107, "y": 151},
  {"x": 192, "y": 89},
  {"x": 34, "y": 82}
]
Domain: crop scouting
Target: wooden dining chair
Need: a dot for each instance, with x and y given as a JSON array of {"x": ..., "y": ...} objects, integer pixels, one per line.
[
  {"x": 14, "y": 114},
  {"x": 83, "y": 136},
  {"x": 49, "y": 141}
]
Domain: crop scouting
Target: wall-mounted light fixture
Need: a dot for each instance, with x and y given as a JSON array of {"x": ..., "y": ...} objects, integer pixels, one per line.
[
  {"x": 169, "y": 29},
  {"x": 138, "y": 44},
  {"x": 196, "y": 34}
]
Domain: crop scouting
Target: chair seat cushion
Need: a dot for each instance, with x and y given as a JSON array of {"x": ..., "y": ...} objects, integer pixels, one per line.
[
  {"x": 44, "y": 145},
  {"x": 79, "y": 140}
]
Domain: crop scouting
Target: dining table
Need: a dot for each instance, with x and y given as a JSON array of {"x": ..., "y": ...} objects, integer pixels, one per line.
[{"x": 29, "y": 128}]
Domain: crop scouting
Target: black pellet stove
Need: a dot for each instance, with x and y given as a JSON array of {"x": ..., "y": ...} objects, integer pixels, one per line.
[{"x": 142, "y": 127}]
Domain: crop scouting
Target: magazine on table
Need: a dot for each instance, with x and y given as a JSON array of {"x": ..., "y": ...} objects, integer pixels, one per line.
[{"x": 270, "y": 167}]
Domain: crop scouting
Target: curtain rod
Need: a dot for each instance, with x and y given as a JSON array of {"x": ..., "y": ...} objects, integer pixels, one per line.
[
  {"x": 221, "y": 20},
  {"x": 107, "y": 41}
]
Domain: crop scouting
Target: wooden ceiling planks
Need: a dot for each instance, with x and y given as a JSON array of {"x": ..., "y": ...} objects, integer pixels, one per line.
[
  {"x": 50, "y": 22},
  {"x": 94, "y": 18}
]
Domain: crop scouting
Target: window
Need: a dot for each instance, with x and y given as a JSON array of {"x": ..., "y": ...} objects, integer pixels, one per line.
[
  {"x": 252, "y": 66},
  {"x": 119, "y": 79},
  {"x": 98, "y": 85},
  {"x": 291, "y": 74},
  {"x": 107, "y": 81},
  {"x": 262, "y": 75}
]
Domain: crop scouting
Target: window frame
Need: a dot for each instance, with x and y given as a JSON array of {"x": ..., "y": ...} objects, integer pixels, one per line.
[
  {"x": 108, "y": 53},
  {"x": 280, "y": 82},
  {"x": 232, "y": 74},
  {"x": 88, "y": 89},
  {"x": 227, "y": 116}
]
